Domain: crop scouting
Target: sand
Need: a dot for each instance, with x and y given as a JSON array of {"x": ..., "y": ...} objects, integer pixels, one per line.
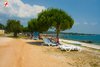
[{"x": 30, "y": 53}]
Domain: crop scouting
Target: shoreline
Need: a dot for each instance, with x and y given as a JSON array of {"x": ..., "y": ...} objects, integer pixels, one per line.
[
  {"x": 91, "y": 39},
  {"x": 81, "y": 43}
]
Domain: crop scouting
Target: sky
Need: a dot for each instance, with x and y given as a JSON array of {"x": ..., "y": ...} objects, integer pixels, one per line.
[{"x": 86, "y": 13}]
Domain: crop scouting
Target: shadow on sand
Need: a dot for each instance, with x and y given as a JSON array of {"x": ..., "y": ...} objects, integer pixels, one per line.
[{"x": 36, "y": 43}]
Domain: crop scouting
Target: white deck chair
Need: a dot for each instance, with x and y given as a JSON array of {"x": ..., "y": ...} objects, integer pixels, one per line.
[
  {"x": 69, "y": 48},
  {"x": 46, "y": 41},
  {"x": 75, "y": 48},
  {"x": 51, "y": 43},
  {"x": 64, "y": 47}
]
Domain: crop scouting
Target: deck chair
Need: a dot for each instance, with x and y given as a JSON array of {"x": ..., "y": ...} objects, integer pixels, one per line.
[
  {"x": 69, "y": 47},
  {"x": 48, "y": 42}
]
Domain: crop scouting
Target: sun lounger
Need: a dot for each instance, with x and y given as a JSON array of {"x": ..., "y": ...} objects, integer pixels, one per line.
[
  {"x": 64, "y": 47},
  {"x": 48, "y": 42},
  {"x": 52, "y": 43},
  {"x": 35, "y": 38},
  {"x": 69, "y": 47}
]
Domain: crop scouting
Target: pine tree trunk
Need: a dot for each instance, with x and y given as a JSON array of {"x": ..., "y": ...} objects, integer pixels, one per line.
[
  {"x": 57, "y": 38},
  {"x": 15, "y": 34},
  {"x": 57, "y": 32}
]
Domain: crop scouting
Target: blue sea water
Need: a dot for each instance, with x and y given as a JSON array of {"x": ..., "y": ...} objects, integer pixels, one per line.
[{"x": 93, "y": 38}]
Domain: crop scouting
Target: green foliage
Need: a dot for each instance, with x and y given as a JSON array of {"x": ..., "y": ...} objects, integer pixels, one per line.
[
  {"x": 56, "y": 18},
  {"x": 25, "y": 29},
  {"x": 2, "y": 26},
  {"x": 44, "y": 21},
  {"x": 32, "y": 25},
  {"x": 49, "y": 18},
  {"x": 14, "y": 26}
]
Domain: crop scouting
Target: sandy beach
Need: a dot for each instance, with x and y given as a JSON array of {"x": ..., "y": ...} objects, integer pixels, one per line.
[{"x": 30, "y": 53}]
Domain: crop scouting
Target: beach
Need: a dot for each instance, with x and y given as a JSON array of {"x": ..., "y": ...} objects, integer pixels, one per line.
[
  {"x": 49, "y": 33},
  {"x": 82, "y": 44},
  {"x": 30, "y": 53}
]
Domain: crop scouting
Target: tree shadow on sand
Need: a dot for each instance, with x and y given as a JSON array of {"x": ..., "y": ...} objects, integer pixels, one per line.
[{"x": 36, "y": 43}]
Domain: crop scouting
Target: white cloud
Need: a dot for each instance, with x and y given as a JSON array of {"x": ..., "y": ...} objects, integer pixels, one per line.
[
  {"x": 20, "y": 9},
  {"x": 90, "y": 23},
  {"x": 85, "y": 23}
]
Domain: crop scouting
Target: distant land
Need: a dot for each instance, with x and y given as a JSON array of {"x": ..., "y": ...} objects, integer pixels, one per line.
[
  {"x": 89, "y": 38},
  {"x": 69, "y": 33}
]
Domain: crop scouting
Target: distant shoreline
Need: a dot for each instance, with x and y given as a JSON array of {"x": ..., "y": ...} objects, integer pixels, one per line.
[
  {"x": 91, "y": 39},
  {"x": 81, "y": 43},
  {"x": 84, "y": 41},
  {"x": 69, "y": 33}
]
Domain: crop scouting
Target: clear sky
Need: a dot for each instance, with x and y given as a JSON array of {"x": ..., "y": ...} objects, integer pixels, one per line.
[{"x": 86, "y": 13}]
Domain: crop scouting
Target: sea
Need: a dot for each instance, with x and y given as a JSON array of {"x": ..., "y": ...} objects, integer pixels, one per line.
[{"x": 94, "y": 39}]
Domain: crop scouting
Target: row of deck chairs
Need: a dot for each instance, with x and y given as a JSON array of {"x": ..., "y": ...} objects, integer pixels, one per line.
[
  {"x": 69, "y": 47},
  {"x": 63, "y": 46}
]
